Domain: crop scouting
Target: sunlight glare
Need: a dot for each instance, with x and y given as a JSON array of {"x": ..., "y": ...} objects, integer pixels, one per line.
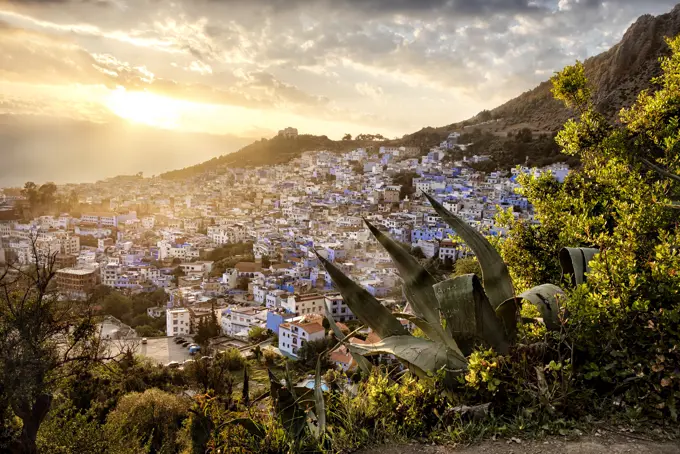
[{"x": 144, "y": 107}]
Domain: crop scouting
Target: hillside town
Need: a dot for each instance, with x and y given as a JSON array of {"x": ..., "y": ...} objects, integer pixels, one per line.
[{"x": 240, "y": 244}]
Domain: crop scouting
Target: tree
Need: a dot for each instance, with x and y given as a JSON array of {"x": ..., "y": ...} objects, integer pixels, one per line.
[
  {"x": 266, "y": 262},
  {"x": 245, "y": 398},
  {"x": 47, "y": 193},
  {"x": 117, "y": 305},
  {"x": 347, "y": 137},
  {"x": 258, "y": 334},
  {"x": 30, "y": 191},
  {"x": 207, "y": 329},
  {"x": 213, "y": 377},
  {"x": 405, "y": 179},
  {"x": 32, "y": 362},
  {"x": 310, "y": 351},
  {"x": 622, "y": 201},
  {"x": 153, "y": 417},
  {"x": 242, "y": 283},
  {"x": 467, "y": 265}
]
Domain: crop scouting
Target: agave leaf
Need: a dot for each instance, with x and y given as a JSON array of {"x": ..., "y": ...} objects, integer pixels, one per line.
[
  {"x": 469, "y": 316},
  {"x": 546, "y": 299},
  {"x": 255, "y": 429},
  {"x": 363, "y": 304},
  {"x": 287, "y": 408},
  {"x": 575, "y": 260},
  {"x": 320, "y": 405},
  {"x": 362, "y": 362},
  {"x": 418, "y": 281},
  {"x": 495, "y": 274},
  {"x": 508, "y": 313},
  {"x": 436, "y": 335},
  {"x": 424, "y": 354}
]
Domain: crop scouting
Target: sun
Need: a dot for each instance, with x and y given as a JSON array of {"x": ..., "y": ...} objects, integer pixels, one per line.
[{"x": 144, "y": 107}]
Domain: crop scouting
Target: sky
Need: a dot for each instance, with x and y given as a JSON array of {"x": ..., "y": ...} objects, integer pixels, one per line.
[{"x": 247, "y": 68}]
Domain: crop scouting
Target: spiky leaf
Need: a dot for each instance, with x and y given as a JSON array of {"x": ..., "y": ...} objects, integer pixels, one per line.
[
  {"x": 508, "y": 313},
  {"x": 575, "y": 262},
  {"x": 319, "y": 403},
  {"x": 495, "y": 274},
  {"x": 469, "y": 316},
  {"x": 363, "y": 304},
  {"x": 362, "y": 362},
  {"x": 436, "y": 335},
  {"x": 417, "y": 281},
  {"x": 546, "y": 299},
  {"x": 246, "y": 388},
  {"x": 291, "y": 415},
  {"x": 424, "y": 354}
]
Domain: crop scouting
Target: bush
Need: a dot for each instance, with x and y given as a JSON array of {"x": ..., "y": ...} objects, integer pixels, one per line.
[
  {"x": 258, "y": 334},
  {"x": 151, "y": 419},
  {"x": 67, "y": 430},
  {"x": 232, "y": 358},
  {"x": 270, "y": 357}
]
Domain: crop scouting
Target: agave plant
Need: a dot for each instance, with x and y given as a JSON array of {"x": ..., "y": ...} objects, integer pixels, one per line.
[{"x": 457, "y": 314}]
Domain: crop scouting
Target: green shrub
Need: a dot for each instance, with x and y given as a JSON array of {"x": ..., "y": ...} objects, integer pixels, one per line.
[
  {"x": 153, "y": 418},
  {"x": 233, "y": 359}
]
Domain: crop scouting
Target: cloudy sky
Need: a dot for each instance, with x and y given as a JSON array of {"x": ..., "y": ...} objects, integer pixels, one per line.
[{"x": 250, "y": 67}]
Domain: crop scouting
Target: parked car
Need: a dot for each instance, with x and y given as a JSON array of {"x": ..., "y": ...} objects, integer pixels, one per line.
[
  {"x": 185, "y": 344},
  {"x": 206, "y": 358},
  {"x": 144, "y": 340},
  {"x": 172, "y": 365}
]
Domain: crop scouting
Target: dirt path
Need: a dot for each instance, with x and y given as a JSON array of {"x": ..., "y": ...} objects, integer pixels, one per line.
[{"x": 615, "y": 444}]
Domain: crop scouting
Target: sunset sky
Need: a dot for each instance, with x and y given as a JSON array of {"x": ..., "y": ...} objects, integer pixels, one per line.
[{"x": 246, "y": 68}]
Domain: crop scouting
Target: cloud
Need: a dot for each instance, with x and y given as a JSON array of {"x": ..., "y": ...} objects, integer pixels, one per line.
[
  {"x": 366, "y": 89},
  {"x": 320, "y": 58}
]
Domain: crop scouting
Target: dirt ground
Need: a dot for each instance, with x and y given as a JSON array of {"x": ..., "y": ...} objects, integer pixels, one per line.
[{"x": 605, "y": 444}]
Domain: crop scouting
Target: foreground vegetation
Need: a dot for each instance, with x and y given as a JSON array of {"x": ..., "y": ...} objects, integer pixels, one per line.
[{"x": 551, "y": 337}]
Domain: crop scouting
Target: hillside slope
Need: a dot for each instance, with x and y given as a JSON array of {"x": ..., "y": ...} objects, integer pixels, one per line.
[
  {"x": 616, "y": 75},
  {"x": 277, "y": 150}
]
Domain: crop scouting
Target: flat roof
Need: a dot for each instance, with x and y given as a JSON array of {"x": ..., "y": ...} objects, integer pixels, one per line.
[{"x": 76, "y": 271}]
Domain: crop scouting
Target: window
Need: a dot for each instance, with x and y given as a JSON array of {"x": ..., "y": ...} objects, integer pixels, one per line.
[{"x": 174, "y": 322}]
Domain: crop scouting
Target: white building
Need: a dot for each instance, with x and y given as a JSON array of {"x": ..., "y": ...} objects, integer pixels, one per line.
[
  {"x": 275, "y": 298},
  {"x": 304, "y": 304},
  {"x": 196, "y": 267},
  {"x": 288, "y": 132},
  {"x": 237, "y": 321},
  {"x": 148, "y": 222},
  {"x": 451, "y": 251},
  {"x": 178, "y": 322},
  {"x": 230, "y": 278},
  {"x": 293, "y": 335},
  {"x": 155, "y": 312},
  {"x": 338, "y": 308}
]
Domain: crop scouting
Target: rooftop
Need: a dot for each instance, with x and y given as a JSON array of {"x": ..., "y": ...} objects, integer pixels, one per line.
[{"x": 77, "y": 271}]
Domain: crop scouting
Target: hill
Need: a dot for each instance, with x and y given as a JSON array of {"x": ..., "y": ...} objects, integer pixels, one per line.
[
  {"x": 616, "y": 76},
  {"x": 277, "y": 150}
]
